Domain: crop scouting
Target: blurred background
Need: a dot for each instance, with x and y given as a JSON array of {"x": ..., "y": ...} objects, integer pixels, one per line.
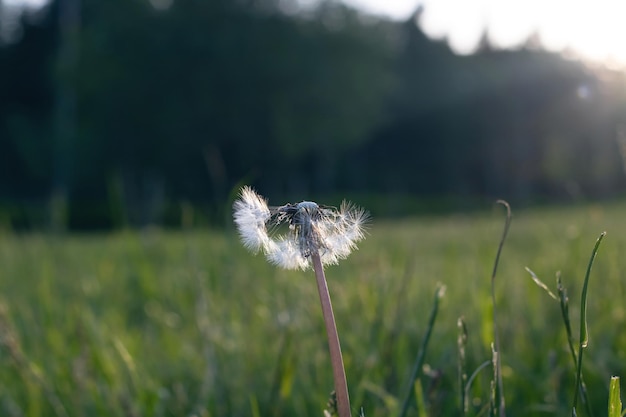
[{"x": 124, "y": 113}]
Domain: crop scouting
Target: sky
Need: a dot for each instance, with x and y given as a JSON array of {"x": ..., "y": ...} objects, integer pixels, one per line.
[{"x": 593, "y": 30}]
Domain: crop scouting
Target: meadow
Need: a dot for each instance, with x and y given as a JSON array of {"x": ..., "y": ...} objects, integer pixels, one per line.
[{"x": 188, "y": 323}]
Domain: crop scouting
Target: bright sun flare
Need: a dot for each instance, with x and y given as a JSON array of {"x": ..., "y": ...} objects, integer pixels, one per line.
[{"x": 596, "y": 32}]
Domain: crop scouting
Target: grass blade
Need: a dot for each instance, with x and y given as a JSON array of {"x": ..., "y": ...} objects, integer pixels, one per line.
[
  {"x": 615, "y": 402},
  {"x": 493, "y": 391},
  {"x": 564, "y": 305},
  {"x": 461, "y": 345},
  {"x": 499, "y": 387},
  {"x": 419, "y": 361},
  {"x": 419, "y": 398},
  {"x": 584, "y": 337},
  {"x": 540, "y": 283}
]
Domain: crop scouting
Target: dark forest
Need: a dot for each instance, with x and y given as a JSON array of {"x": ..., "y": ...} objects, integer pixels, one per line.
[{"x": 127, "y": 113}]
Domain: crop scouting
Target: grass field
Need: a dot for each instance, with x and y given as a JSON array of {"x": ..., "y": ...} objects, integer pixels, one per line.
[{"x": 165, "y": 323}]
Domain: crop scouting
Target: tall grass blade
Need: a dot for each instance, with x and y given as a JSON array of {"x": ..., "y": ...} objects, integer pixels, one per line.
[
  {"x": 615, "y": 402},
  {"x": 419, "y": 398},
  {"x": 461, "y": 345},
  {"x": 564, "y": 305},
  {"x": 493, "y": 391},
  {"x": 419, "y": 360},
  {"x": 584, "y": 337},
  {"x": 499, "y": 388}
]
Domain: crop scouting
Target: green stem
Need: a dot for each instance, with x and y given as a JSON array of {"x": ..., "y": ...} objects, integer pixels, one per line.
[
  {"x": 339, "y": 373},
  {"x": 564, "y": 302},
  {"x": 584, "y": 338},
  {"x": 498, "y": 362},
  {"x": 419, "y": 361}
]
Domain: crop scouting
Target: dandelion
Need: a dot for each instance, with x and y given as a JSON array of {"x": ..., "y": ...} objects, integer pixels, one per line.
[
  {"x": 331, "y": 232},
  {"x": 316, "y": 235}
]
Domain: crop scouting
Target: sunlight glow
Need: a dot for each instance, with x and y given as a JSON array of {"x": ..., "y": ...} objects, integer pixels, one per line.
[
  {"x": 592, "y": 30},
  {"x": 595, "y": 31},
  {"x": 30, "y": 3}
]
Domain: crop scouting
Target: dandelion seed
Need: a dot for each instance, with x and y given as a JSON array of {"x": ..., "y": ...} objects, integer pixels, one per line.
[{"x": 312, "y": 228}]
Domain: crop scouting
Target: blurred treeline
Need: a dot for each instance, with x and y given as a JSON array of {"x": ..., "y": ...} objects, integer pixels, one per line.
[{"x": 133, "y": 112}]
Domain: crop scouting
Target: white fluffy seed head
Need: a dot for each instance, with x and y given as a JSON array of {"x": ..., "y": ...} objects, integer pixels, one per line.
[
  {"x": 251, "y": 214},
  {"x": 285, "y": 253},
  {"x": 332, "y": 233},
  {"x": 349, "y": 229}
]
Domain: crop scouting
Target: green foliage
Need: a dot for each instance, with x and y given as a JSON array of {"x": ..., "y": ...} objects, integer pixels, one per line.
[{"x": 173, "y": 324}]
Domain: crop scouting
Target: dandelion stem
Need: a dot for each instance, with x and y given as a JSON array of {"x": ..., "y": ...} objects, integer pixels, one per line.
[{"x": 339, "y": 373}]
